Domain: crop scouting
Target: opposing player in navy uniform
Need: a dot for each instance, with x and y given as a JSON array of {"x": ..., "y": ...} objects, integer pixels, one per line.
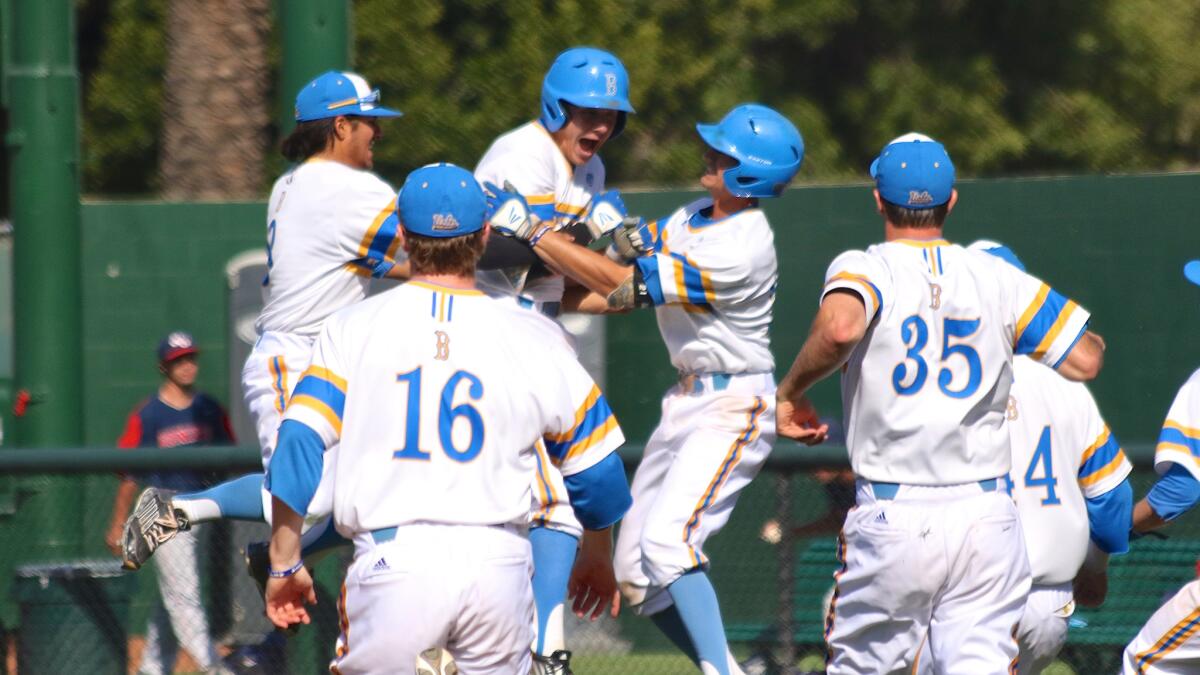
[{"x": 176, "y": 415}]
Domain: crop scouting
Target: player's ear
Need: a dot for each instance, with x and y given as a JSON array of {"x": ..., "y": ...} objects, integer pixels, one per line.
[
  {"x": 487, "y": 232},
  {"x": 341, "y": 127},
  {"x": 953, "y": 201},
  {"x": 878, "y": 202}
]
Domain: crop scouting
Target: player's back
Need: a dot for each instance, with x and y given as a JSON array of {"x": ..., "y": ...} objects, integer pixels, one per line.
[
  {"x": 329, "y": 228},
  {"x": 448, "y": 392},
  {"x": 926, "y": 389},
  {"x": 1060, "y": 448}
]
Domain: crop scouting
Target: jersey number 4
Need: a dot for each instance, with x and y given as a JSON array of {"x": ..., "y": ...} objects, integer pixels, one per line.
[
  {"x": 448, "y": 414},
  {"x": 915, "y": 333},
  {"x": 1042, "y": 459}
]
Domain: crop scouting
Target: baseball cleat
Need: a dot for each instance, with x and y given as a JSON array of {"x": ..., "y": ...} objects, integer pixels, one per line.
[
  {"x": 558, "y": 663},
  {"x": 153, "y": 523}
]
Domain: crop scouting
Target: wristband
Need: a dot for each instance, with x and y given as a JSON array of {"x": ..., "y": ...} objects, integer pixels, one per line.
[
  {"x": 537, "y": 236},
  {"x": 283, "y": 574}
]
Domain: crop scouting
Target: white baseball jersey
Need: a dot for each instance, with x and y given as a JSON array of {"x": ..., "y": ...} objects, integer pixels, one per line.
[
  {"x": 1179, "y": 440},
  {"x": 713, "y": 287},
  {"x": 925, "y": 392},
  {"x": 330, "y": 228},
  {"x": 1062, "y": 453},
  {"x": 443, "y": 403},
  {"x": 556, "y": 191}
]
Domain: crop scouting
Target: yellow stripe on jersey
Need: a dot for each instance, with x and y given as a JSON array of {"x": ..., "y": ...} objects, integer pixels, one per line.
[
  {"x": 327, "y": 375},
  {"x": 1100, "y": 440},
  {"x": 320, "y": 407},
  {"x": 1031, "y": 311},
  {"x": 1055, "y": 329},
  {"x": 580, "y": 413},
  {"x": 444, "y": 289},
  {"x": 861, "y": 280},
  {"x": 922, "y": 243},
  {"x": 598, "y": 435},
  {"x": 364, "y": 246},
  {"x": 539, "y": 200},
  {"x": 1190, "y": 432},
  {"x": 569, "y": 209},
  {"x": 1108, "y": 469}
]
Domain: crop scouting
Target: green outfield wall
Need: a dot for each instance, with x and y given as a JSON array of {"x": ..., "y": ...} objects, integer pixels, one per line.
[{"x": 1117, "y": 244}]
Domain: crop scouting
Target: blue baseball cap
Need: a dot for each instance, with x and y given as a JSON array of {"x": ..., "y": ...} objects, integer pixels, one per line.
[
  {"x": 914, "y": 171},
  {"x": 338, "y": 93},
  {"x": 1192, "y": 271},
  {"x": 175, "y": 345},
  {"x": 1000, "y": 251},
  {"x": 441, "y": 200}
]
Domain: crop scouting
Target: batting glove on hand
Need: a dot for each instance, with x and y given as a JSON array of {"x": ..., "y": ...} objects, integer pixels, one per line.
[
  {"x": 631, "y": 239},
  {"x": 605, "y": 214},
  {"x": 508, "y": 212}
]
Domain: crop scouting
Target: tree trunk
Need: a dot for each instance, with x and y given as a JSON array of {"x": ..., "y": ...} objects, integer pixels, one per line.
[{"x": 216, "y": 107}]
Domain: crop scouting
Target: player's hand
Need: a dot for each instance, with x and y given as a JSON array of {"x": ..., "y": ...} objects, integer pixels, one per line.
[
  {"x": 630, "y": 240},
  {"x": 508, "y": 212},
  {"x": 605, "y": 213},
  {"x": 593, "y": 585},
  {"x": 112, "y": 539},
  {"x": 798, "y": 421},
  {"x": 287, "y": 597}
]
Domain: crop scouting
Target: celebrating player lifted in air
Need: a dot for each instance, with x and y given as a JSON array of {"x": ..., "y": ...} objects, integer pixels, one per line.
[
  {"x": 710, "y": 272},
  {"x": 437, "y": 497},
  {"x": 554, "y": 162},
  {"x": 331, "y": 227},
  {"x": 926, "y": 331}
]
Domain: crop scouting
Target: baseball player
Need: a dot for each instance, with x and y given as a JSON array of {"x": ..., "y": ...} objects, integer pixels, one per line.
[
  {"x": 331, "y": 227},
  {"x": 1056, "y": 433},
  {"x": 554, "y": 161},
  {"x": 925, "y": 332},
  {"x": 436, "y": 496},
  {"x": 710, "y": 272},
  {"x": 1168, "y": 643},
  {"x": 176, "y": 415}
]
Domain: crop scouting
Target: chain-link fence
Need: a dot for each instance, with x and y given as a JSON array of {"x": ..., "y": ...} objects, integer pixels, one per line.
[{"x": 70, "y": 609}]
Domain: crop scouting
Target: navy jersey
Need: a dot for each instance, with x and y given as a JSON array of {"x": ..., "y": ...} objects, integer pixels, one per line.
[{"x": 154, "y": 424}]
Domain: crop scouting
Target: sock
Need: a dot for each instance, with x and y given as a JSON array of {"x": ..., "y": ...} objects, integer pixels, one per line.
[
  {"x": 553, "y": 557},
  {"x": 671, "y": 625},
  {"x": 319, "y": 539},
  {"x": 696, "y": 599},
  {"x": 240, "y": 499}
]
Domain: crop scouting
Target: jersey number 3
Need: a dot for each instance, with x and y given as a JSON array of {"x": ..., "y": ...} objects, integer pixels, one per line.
[
  {"x": 915, "y": 333},
  {"x": 448, "y": 414}
]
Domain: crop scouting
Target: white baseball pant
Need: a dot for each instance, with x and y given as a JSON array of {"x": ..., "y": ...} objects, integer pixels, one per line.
[
  {"x": 710, "y": 443},
  {"x": 1169, "y": 642},
  {"x": 462, "y": 587},
  {"x": 179, "y": 617},
  {"x": 947, "y": 563}
]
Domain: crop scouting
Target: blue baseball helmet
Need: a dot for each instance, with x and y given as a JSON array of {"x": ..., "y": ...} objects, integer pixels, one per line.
[
  {"x": 339, "y": 93},
  {"x": 441, "y": 200},
  {"x": 589, "y": 78},
  {"x": 768, "y": 148}
]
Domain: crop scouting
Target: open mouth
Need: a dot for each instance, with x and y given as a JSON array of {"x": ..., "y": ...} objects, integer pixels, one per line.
[{"x": 589, "y": 145}]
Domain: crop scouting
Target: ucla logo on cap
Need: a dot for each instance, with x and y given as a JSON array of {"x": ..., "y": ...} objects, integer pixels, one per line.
[
  {"x": 444, "y": 222},
  {"x": 919, "y": 197}
]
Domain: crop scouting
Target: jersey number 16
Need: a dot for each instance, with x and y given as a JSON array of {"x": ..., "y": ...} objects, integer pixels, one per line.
[{"x": 448, "y": 414}]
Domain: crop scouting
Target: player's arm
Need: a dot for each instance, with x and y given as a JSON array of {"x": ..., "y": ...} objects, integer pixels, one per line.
[
  {"x": 399, "y": 270},
  {"x": 590, "y": 268},
  {"x": 1173, "y": 494},
  {"x": 312, "y": 424},
  {"x": 583, "y": 300},
  {"x": 1086, "y": 358}
]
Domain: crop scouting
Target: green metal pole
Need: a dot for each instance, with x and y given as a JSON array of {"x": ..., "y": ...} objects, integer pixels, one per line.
[
  {"x": 43, "y": 146},
  {"x": 316, "y": 38}
]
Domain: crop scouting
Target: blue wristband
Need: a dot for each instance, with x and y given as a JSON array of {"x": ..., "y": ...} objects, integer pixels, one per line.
[{"x": 283, "y": 574}]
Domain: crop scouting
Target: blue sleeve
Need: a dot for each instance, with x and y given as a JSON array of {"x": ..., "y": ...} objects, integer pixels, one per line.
[
  {"x": 600, "y": 493},
  {"x": 1174, "y": 492},
  {"x": 295, "y": 469},
  {"x": 1109, "y": 517}
]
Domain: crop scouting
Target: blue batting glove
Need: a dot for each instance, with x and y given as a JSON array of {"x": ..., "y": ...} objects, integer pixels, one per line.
[
  {"x": 605, "y": 214},
  {"x": 508, "y": 212}
]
